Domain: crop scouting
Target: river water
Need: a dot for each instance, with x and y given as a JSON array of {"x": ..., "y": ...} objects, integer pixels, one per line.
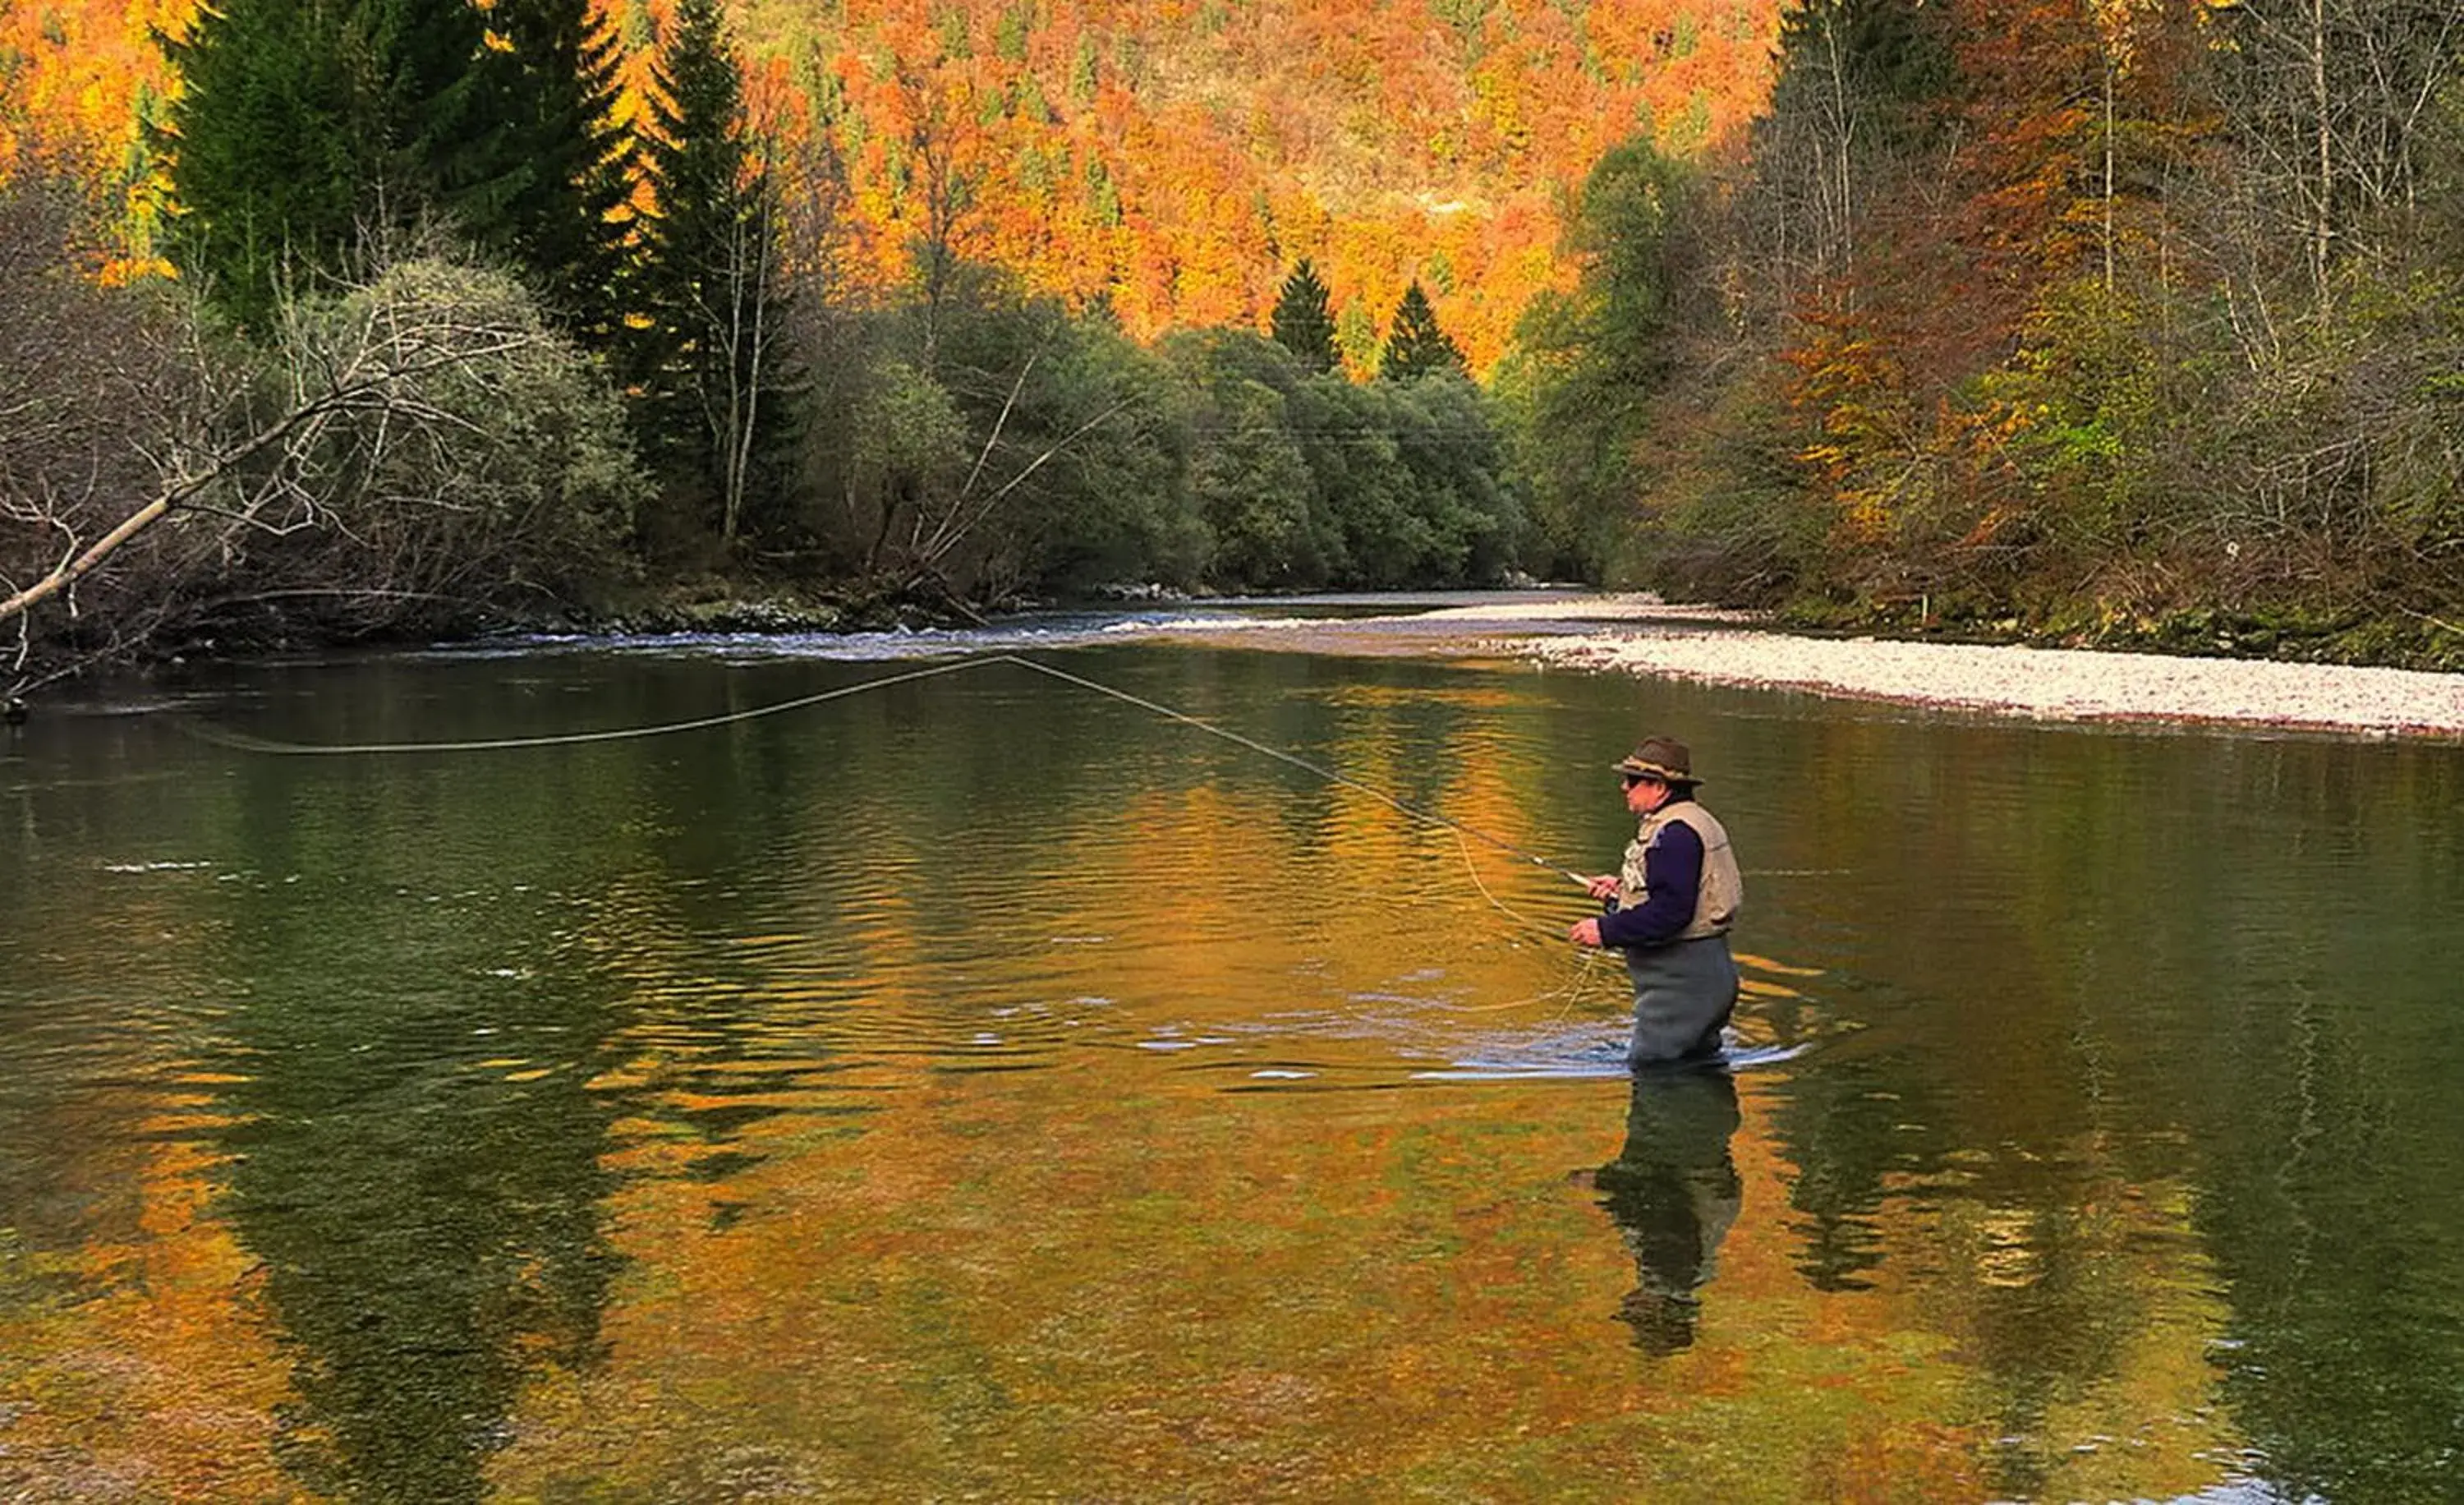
[{"x": 982, "y": 1087}]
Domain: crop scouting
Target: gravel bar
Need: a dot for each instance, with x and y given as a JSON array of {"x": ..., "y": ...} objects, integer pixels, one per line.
[{"x": 2051, "y": 684}]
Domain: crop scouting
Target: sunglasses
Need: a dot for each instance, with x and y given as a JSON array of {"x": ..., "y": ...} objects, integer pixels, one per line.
[{"x": 1633, "y": 779}]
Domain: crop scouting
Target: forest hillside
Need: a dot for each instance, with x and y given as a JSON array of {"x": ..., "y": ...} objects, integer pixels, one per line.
[{"x": 1170, "y": 160}]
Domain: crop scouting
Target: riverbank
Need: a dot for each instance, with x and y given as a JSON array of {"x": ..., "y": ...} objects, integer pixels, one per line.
[
  {"x": 1639, "y": 634},
  {"x": 2043, "y": 683}
]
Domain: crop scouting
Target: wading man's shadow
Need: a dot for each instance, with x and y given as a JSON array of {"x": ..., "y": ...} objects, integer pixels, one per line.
[{"x": 1673, "y": 1191}]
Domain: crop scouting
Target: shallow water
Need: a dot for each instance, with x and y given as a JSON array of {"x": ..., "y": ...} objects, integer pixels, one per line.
[{"x": 980, "y": 1087}]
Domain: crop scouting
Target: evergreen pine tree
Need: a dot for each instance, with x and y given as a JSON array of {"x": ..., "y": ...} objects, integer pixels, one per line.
[
  {"x": 1867, "y": 67},
  {"x": 710, "y": 360},
  {"x": 303, "y": 127},
  {"x": 425, "y": 106},
  {"x": 1415, "y": 345},
  {"x": 266, "y": 175},
  {"x": 562, "y": 218},
  {"x": 1304, "y": 318}
]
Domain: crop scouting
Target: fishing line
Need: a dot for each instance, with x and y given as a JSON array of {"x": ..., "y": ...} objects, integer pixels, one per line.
[
  {"x": 1568, "y": 991},
  {"x": 728, "y": 719},
  {"x": 1459, "y": 831},
  {"x": 618, "y": 734},
  {"x": 1415, "y": 813},
  {"x": 1494, "y": 902},
  {"x": 1329, "y": 775}
]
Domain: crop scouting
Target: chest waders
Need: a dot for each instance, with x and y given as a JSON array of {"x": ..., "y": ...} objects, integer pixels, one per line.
[{"x": 1686, "y": 989}]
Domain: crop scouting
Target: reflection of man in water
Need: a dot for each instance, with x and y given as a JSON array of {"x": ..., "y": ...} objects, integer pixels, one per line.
[{"x": 1673, "y": 1191}]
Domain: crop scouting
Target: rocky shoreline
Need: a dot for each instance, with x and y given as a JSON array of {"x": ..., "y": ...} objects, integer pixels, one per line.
[
  {"x": 2042, "y": 684},
  {"x": 1639, "y": 634}
]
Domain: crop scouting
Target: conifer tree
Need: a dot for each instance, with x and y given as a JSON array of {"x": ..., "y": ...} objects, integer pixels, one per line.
[
  {"x": 304, "y": 126},
  {"x": 711, "y": 360},
  {"x": 1861, "y": 91},
  {"x": 562, "y": 220},
  {"x": 1415, "y": 345},
  {"x": 1304, "y": 318},
  {"x": 265, "y": 174},
  {"x": 427, "y": 110},
  {"x": 1889, "y": 60}
]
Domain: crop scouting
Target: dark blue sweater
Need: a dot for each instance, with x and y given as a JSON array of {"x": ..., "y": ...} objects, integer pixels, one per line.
[{"x": 1672, "y": 871}]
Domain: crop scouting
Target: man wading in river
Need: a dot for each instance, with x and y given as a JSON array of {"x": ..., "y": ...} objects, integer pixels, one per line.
[{"x": 1670, "y": 910}]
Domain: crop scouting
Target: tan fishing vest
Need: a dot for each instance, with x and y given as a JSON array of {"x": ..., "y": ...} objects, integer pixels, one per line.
[{"x": 1723, "y": 890}]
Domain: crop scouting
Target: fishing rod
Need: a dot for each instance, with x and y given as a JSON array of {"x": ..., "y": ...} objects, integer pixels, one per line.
[
  {"x": 699, "y": 723},
  {"x": 1432, "y": 817}
]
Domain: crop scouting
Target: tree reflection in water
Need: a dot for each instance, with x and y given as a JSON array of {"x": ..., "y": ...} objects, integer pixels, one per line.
[{"x": 1673, "y": 1190}]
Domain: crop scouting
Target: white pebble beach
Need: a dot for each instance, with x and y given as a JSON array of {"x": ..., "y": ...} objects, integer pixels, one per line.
[{"x": 2054, "y": 684}]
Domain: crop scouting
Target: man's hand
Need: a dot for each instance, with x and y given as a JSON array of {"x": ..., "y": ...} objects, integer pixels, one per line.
[
  {"x": 1604, "y": 887},
  {"x": 1585, "y": 932}
]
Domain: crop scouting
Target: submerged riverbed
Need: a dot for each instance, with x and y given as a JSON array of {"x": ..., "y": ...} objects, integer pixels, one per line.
[{"x": 977, "y": 1086}]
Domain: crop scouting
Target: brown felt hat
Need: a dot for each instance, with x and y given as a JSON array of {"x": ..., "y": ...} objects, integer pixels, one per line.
[{"x": 1663, "y": 757}]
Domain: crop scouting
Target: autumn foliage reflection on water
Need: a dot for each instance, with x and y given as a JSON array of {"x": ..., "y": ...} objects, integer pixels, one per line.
[{"x": 975, "y": 1089}]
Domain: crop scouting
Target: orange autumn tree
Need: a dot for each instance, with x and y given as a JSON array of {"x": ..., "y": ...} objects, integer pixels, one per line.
[
  {"x": 1974, "y": 273},
  {"x": 2089, "y": 120}
]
